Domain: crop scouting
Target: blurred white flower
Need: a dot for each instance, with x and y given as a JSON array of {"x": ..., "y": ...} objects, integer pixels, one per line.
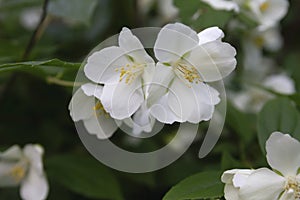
[
  {"x": 24, "y": 168},
  {"x": 266, "y": 12},
  {"x": 256, "y": 40},
  {"x": 233, "y": 180},
  {"x": 126, "y": 71},
  {"x": 86, "y": 106},
  {"x": 186, "y": 62},
  {"x": 253, "y": 98},
  {"x": 223, "y": 5},
  {"x": 30, "y": 18},
  {"x": 283, "y": 183}
]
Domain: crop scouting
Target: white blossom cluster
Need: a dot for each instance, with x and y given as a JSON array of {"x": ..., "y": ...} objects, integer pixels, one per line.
[{"x": 127, "y": 86}]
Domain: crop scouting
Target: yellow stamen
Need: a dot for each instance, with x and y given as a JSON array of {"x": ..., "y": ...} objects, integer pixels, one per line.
[
  {"x": 189, "y": 73},
  {"x": 129, "y": 72},
  {"x": 264, "y": 6},
  {"x": 18, "y": 173},
  {"x": 259, "y": 41},
  {"x": 292, "y": 185},
  {"x": 100, "y": 109}
]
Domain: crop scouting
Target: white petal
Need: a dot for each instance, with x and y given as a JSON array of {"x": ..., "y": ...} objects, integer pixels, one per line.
[
  {"x": 262, "y": 184},
  {"x": 91, "y": 89},
  {"x": 162, "y": 77},
  {"x": 167, "y": 9},
  {"x": 133, "y": 47},
  {"x": 121, "y": 100},
  {"x": 182, "y": 100},
  {"x": 161, "y": 111},
  {"x": 223, "y": 5},
  {"x": 13, "y": 153},
  {"x": 34, "y": 186},
  {"x": 210, "y": 34},
  {"x": 280, "y": 83},
  {"x": 143, "y": 121},
  {"x": 173, "y": 41},
  {"x": 227, "y": 176},
  {"x": 81, "y": 106},
  {"x": 101, "y": 125},
  {"x": 213, "y": 60},
  {"x": 34, "y": 154},
  {"x": 283, "y": 153},
  {"x": 231, "y": 192},
  {"x": 101, "y": 65}
]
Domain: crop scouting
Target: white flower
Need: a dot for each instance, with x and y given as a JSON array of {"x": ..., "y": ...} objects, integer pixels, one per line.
[
  {"x": 30, "y": 18},
  {"x": 223, "y": 5},
  {"x": 283, "y": 183},
  {"x": 252, "y": 98},
  {"x": 24, "y": 168},
  {"x": 233, "y": 180},
  {"x": 256, "y": 40},
  {"x": 125, "y": 71},
  {"x": 186, "y": 62},
  {"x": 266, "y": 12},
  {"x": 86, "y": 106}
]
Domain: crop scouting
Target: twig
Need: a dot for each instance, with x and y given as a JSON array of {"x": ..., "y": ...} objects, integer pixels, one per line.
[
  {"x": 54, "y": 80},
  {"x": 37, "y": 32}
]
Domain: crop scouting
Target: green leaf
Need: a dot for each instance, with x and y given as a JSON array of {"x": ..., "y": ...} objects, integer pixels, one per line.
[
  {"x": 54, "y": 67},
  {"x": 200, "y": 15},
  {"x": 80, "y": 11},
  {"x": 199, "y": 186},
  {"x": 278, "y": 115},
  {"x": 244, "y": 127},
  {"x": 83, "y": 175}
]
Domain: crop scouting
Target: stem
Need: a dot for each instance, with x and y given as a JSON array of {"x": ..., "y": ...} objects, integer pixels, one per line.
[
  {"x": 37, "y": 32},
  {"x": 54, "y": 80}
]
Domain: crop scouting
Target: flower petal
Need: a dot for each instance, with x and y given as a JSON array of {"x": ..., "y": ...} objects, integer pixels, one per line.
[
  {"x": 162, "y": 78},
  {"x": 121, "y": 100},
  {"x": 210, "y": 34},
  {"x": 161, "y": 111},
  {"x": 34, "y": 154},
  {"x": 262, "y": 184},
  {"x": 223, "y": 5},
  {"x": 280, "y": 83},
  {"x": 91, "y": 89},
  {"x": 213, "y": 60},
  {"x": 12, "y": 153},
  {"x": 101, "y": 65},
  {"x": 103, "y": 126},
  {"x": 231, "y": 192},
  {"x": 81, "y": 106},
  {"x": 34, "y": 186},
  {"x": 133, "y": 47},
  {"x": 228, "y": 176},
  {"x": 283, "y": 153},
  {"x": 173, "y": 41}
]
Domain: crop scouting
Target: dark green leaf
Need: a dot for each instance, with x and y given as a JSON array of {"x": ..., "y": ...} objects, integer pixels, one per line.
[
  {"x": 199, "y": 186},
  {"x": 278, "y": 115},
  {"x": 83, "y": 175}
]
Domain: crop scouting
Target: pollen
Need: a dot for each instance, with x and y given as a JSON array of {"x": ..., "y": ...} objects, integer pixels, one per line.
[
  {"x": 259, "y": 41},
  {"x": 293, "y": 186},
  {"x": 264, "y": 6},
  {"x": 189, "y": 73},
  {"x": 100, "y": 109},
  {"x": 129, "y": 72},
  {"x": 18, "y": 173}
]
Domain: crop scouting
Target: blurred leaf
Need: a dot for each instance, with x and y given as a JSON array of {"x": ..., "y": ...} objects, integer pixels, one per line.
[
  {"x": 199, "y": 186},
  {"x": 47, "y": 68},
  {"x": 291, "y": 63},
  {"x": 200, "y": 15},
  {"x": 278, "y": 115},
  {"x": 244, "y": 126},
  {"x": 83, "y": 175},
  {"x": 228, "y": 162},
  {"x": 295, "y": 98},
  {"x": 73, "y": 11}
]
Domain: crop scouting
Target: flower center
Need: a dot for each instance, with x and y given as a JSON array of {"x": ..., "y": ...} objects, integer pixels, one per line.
[
  {"x": 18, "y": 173},
  {"x": 293, "y": 187},
  {"x": 264, "y": 6},
  {"x": 100, "y": 109},
  {"x": 129, "y": 72},
  {"x": 187, "y": 73}
]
